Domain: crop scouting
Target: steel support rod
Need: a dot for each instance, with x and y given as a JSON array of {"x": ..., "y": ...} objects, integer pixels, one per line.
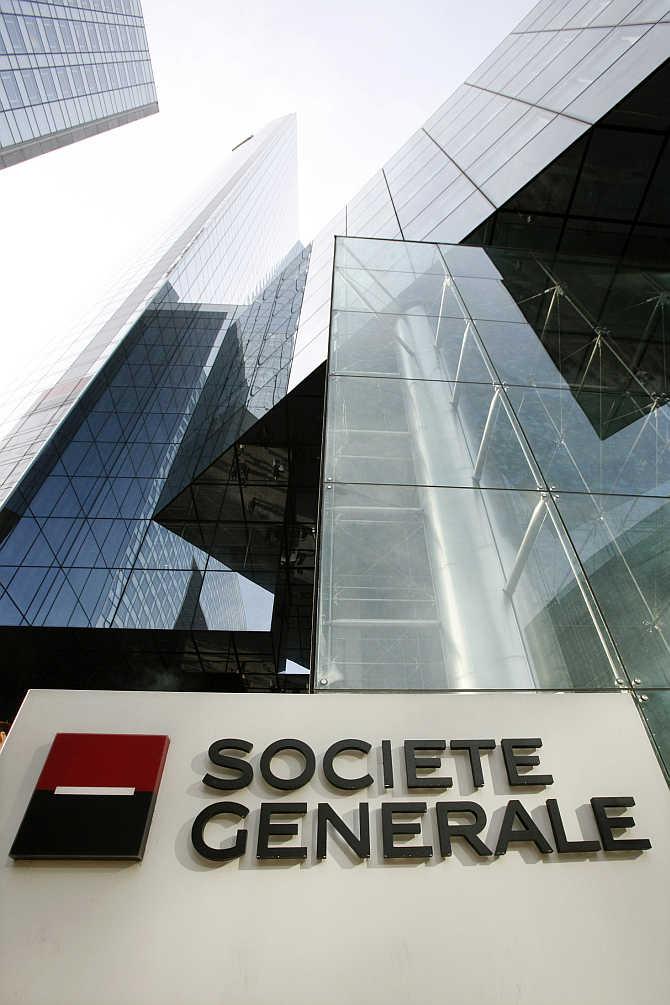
[
  {"x": 456, "y": 392},
  {"x": 532, "y": 530},
  {"x": 486, "y": 435}
]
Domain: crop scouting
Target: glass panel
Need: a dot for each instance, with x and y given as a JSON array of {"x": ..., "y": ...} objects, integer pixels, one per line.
[
  {"x": 648, "y": 10},
  {"x": 457, "y": 111},
  {"x": 63, "y": 80},
  {"x": 420, "y": 169},
  {"x": 468, "y": 261},
  {"x": 416, "y": 432},
  {"x": 519, "y": 74},
  {"x": 592, "y": 66},
  {"x": 502, "y": 118},
  {"x": 33, "y": 30},
  {"x": 378, "y": 344},
  {"x": 424, "y": 190},
  {"x": 624, "y": 545},
  {"x": 230, "y": 602},
  {"x": 597, "y": 441},
  {"x": 553, "y": 72},
  {"x": 30, "y": 84},
  {"x": 615, "y": 12},
  {"x": 475, "y": 127},
  {"x": 518, "y": 354},
  {"x": 488, "y": 299},
  {"x": 435, "y": 588},
  {"x": 554, "y": 139},
  {"x": 159, "y": 600},
  {"x": 522, "y": 58},
  {"x": 564, "y": 15},
  {"x": 48, "y": 84},
  {"x": 439, "y": 208},
  {"x": 161, "y": 549},
  {"x": 395, "y": 293},
  {"x": 510, "y": 144},
  {"x": 649, "y": 50},
  {"x": 461, "y": 220},
  {"x": 433, "y": 420},
  {"x": 656, "y": 711},
  {"x": 392, "y": 256},
  {"x": 14, "y": 31},
  {"x": 14, "y": 99}
]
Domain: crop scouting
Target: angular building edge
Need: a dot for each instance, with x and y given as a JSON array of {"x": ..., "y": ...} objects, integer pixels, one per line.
[{"x": 64, "y": 137}]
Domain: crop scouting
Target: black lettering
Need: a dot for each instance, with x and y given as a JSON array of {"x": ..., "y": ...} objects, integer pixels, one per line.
[
  {"x": 600, "y": 805},
  {"x": 468, "y": 832},
  {"x": 390, "y": 828},
  {"x": 268, "y": 829},
  {"x": 327, "y": 815},
  {"x": 287, "y": 783},
  {"x": 198, "y": 832},
  {"x": 473, "y": 748},
  {"x": 413, "y": 763},
  {"x": 528, "y": 832},
  {"x": 387, "y": 764},
  {"x": 514, "y": 761},
  {"x": 563, "y": 846},
  {"x": 329, "y": 771},
  {"x": 243, "y": 768}
]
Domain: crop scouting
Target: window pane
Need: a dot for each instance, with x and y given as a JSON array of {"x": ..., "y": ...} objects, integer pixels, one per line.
[
  {"x": 421, "y": 588},
  {"x": 15, "y": 34}
]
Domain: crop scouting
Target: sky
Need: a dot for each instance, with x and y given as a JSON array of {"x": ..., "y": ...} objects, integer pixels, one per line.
[{"x": 361, "y": 75}]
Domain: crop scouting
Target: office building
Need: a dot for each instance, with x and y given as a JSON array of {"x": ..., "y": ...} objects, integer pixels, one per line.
[
  {"x": 68, "y": 71},
  {"x": 483, "y": 326},
  {"x": 418, "y": 470}
]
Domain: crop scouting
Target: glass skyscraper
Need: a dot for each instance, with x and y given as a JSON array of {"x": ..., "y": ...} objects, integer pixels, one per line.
[
  {"x": 68, "y": 71},
  {"x": 427, "y": 452}
]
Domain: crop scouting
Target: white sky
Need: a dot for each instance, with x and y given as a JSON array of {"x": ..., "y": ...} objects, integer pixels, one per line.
[{"x": 362, "y": 75}]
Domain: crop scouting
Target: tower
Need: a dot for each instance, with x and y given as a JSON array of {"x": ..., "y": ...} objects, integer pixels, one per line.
[
  {"x": 483, "y": 328},
  {"x": 70, "y": 72}
]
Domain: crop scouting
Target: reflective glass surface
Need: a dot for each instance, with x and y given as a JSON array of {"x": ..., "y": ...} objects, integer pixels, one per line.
[
  {"x": 90, "y": 70},
  {"x": 496, "y": 480},
  {"x": 159, "y": 518},
  {"x": 529, "y": 122},
  {"x": 622, "y": 542},
  {"x": 467, "y": 406},
  {"x": 605, "y": 441},
  {"x": 482, "y": 404},
  {"x": 231, "y": 245},
  {"x": 421, "y": 589},
  {"x": 421, "y": 432},
  {"x": 655, "y": 708}
]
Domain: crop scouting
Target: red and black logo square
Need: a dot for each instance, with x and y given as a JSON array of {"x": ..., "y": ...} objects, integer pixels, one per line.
[{"x": 94, "y": 799}]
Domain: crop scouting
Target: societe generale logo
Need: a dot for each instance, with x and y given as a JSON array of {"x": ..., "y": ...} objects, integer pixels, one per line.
[{"x": 94, "y": 798}]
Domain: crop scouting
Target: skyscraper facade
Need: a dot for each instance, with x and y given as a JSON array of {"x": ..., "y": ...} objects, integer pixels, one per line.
[
  {"x": 121, "y": 417},
  {"x": 428, "y": 452},
  {"x": 69, "y": 71}
]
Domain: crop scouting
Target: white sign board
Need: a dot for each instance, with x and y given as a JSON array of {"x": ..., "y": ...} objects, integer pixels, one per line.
[{"x": 507, "y": 911}]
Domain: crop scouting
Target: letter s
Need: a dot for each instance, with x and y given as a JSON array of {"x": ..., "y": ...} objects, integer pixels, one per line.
[{"x": 243, "y": 768}]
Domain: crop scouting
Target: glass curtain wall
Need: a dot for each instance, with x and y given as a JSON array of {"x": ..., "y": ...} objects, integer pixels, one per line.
[
  {"x": 68, "y": 71},
  {"x": 495, "y": 493},
  {"x": 82, "y": 548}
]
